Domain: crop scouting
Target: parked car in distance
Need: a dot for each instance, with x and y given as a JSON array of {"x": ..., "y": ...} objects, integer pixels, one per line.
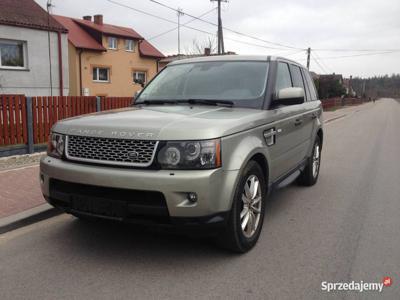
[{"x": 206, "y": 142}]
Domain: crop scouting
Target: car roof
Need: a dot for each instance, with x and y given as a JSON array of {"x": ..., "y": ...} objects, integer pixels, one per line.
[{"x": 212, "y": 58}]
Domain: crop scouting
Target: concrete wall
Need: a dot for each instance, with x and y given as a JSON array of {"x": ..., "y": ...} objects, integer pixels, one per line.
[
  {"x": 121, "y": 63},
  {"x": 35, "y": 80}
]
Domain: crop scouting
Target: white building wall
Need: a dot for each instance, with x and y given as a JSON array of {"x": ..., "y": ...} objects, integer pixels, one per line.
[{"x": 35, "y": 80}]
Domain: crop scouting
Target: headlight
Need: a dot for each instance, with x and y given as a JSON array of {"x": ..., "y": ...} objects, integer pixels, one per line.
[
  {"x": 191, "y": 155},
  {"x": 56, "y": 145}
]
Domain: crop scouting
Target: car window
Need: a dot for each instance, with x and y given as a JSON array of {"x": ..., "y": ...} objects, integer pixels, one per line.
[
  {"x": 221, "y": 80},
  {"x": 297, "y": 78},
  {"x": 306, "y": 87},
  {"x": 311, "y": 86},
  {"x": 283, "y": 79}
]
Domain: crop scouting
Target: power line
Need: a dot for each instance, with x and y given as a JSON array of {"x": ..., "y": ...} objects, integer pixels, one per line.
[
  {"x": 158, "y": 17},
  {"x": 141, "y": 11},
  {"x": 296, "y": 52},
  {"x": 357, "y": 50},
  {"x": 228, "y": 29},
  {"x": 175, "y": 28},
  {"x": 189, "y": 27},
  {"x": 322, "y": 62},
  {"x": 320, "y": 66},
  {"x": 249, "y": 36},
  {"x": 257, "y": 45},
  {"x": 356, "y": 55}
]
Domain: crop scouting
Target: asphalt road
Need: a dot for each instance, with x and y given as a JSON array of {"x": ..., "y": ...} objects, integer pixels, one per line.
[{"x": 343, "y": 229}]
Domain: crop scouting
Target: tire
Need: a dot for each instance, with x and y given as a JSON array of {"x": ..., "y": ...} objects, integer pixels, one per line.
[
  {"x": 233, "y": 237},
  {"x": 309, "y": 175}
]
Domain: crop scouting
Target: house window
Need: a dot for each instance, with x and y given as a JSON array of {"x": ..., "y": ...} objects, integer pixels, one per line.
[
  {"x": 130, "y": 45},
  {"x": 12, "y": 54},
  {"x": 140, "y": 76},
  {"x": 101, "y": 74},
  {"x": 112, "y": 43}
]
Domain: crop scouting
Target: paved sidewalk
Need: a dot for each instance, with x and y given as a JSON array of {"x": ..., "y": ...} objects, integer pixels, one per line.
[
  {"x": 19, "y": 190},
  {"x": 346, "y": 110}
]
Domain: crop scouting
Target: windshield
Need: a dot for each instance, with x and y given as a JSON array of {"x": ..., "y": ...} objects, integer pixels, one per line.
[{"x": 217, "y": 80}]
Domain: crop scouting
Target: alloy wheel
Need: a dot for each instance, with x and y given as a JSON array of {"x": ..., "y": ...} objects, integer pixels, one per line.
[
  {"x": 316, "y": 160},
  {"x": 251, "y": 210}
]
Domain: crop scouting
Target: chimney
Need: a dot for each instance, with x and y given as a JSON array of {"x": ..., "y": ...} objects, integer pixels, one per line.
[
  {"x": 98, "y": 19},
  {"x": 87, "y": 18},
  {"x": 207, "y": 51}
]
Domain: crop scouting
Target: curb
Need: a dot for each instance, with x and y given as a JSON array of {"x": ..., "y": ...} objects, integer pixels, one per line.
[{"x": 28, "y": 217}]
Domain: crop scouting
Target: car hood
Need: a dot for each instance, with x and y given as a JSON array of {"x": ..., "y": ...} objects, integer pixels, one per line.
[{"x": 164, "y": 122}]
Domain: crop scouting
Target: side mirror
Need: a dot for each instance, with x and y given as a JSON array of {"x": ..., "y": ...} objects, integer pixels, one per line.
[
  {"x": 289, "y": 96},
  {"x": 138, "y": 81}
]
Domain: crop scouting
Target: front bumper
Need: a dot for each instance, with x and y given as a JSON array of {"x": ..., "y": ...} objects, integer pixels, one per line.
[{"x": 214, "y": 188}]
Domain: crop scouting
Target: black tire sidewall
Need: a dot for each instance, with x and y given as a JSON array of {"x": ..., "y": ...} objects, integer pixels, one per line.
[{"x": 252, "y": 168}]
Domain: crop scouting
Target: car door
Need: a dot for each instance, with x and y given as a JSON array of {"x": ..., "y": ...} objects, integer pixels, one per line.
[
  {"x": 313, "y": 108},
  {"x": 286, "y": 151},
  {"x": 305, "y": 129}
]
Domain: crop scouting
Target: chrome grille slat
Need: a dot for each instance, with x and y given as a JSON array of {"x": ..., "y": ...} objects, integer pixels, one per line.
[{"x": 110, "y": 150}]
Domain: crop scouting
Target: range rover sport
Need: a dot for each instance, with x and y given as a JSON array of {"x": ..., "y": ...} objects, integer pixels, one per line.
[{"x": 205, "y": 143}]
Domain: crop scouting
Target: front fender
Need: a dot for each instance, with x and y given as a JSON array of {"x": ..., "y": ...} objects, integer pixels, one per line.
[{"x": 237, "y": 150}]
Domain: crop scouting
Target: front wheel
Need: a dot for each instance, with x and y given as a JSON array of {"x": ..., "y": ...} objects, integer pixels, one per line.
[
  {"x": 247, "y": 214},
  {"x": 309, "y": 176}
]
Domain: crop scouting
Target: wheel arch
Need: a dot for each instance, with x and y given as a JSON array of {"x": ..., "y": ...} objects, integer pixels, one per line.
[{"x": 262, "y": 161}]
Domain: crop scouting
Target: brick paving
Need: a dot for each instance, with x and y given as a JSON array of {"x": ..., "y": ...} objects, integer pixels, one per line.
[{"x": 19, "y": 190}]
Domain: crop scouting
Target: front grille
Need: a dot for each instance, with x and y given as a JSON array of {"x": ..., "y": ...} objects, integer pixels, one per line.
[{"x": 111, "y": 151}]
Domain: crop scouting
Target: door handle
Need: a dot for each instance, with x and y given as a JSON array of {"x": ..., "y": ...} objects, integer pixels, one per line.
[
  {"x": 270, "y": 136},
  {"x": 298, "y": 122}
]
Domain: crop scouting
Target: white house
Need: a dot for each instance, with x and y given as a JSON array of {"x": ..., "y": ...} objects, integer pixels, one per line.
[{"x": 33, "y": 51}]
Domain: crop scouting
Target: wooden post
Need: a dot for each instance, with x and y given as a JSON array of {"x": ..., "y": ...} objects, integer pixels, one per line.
[{"x": 29, "y": 123}]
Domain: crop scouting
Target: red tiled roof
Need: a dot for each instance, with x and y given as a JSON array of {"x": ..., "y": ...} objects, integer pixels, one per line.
[
  {"x": 111, "y": 29},
  {"x": 78, "y": 36},
  {"x": 147, "y": 49},
  {"x": 27, "y": 13}
]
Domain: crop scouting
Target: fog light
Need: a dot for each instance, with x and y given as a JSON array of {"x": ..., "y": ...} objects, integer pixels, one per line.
[{"x": 192, "y": 197}]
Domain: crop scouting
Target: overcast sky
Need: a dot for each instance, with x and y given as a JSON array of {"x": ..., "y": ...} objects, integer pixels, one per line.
[{"x": 319, "y": 24}]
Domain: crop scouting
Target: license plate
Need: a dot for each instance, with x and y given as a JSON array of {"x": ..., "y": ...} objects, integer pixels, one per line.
[{"x": 100, "y": 206}]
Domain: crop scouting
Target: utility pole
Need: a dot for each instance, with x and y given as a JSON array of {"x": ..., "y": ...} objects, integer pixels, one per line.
[
  {"x": 49, "y": 5},
  {"x": 221, "y": 49},
  {"x": 180, "y": 13},
  {"x": 308, "y": 57}
]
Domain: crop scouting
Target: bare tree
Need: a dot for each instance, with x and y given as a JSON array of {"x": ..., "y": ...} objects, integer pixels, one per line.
[{"x": 198, "y": 46}]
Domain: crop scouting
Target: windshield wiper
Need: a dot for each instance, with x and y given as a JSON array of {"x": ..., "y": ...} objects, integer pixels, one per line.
[
  {"x": 156, "y": 102},
  {"x": 190, "y": 101},
  {"x": 209, "y": 102}
]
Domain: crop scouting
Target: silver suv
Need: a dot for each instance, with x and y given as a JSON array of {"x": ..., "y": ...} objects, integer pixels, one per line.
[{"x": 207, "y": 140}]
